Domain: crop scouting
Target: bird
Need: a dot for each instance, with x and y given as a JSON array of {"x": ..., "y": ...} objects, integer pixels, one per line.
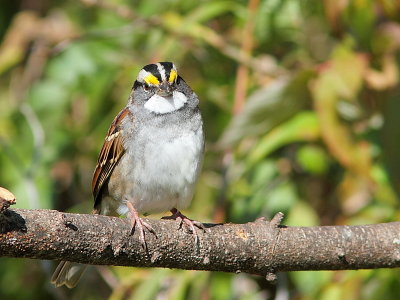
[{"x": 151, "y": 157}]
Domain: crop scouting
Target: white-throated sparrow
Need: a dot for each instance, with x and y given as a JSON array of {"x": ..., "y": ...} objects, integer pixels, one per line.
[{"x": 151, "y": 156}]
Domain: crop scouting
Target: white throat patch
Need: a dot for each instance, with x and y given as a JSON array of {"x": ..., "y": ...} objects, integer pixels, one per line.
[{"x": 163, "y": 105}]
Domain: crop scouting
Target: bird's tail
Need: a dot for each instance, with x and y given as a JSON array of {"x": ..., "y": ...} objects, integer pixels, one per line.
[{"x": 67, "y": 273}]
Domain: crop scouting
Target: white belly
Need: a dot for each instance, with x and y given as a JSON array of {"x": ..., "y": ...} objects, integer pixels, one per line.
[{"x": 164, "y": 172}]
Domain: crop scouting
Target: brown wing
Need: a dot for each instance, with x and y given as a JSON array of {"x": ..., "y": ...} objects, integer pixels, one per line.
[{"x": 110, "y": 154}]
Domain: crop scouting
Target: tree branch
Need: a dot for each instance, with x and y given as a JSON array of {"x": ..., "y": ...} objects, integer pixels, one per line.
[{"x": 258, "y": 247}]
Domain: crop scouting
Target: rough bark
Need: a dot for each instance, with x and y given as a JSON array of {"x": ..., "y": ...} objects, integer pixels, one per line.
[{"x": 258, "y": 247}]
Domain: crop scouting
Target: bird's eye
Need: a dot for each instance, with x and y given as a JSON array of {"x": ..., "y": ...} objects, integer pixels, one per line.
[{"x": 146, "y": 87}]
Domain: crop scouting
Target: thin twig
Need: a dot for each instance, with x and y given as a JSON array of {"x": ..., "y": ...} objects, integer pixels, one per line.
[{"x": 242, "y": 74}]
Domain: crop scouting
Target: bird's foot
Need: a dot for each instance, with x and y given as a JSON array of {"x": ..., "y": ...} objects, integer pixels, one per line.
[
  {"x": 191, "y": 224},
  {"x": 139, "y": 223}
]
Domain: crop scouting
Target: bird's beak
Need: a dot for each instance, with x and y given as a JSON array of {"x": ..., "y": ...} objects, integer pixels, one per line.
[{"x": 165, "y": 89}]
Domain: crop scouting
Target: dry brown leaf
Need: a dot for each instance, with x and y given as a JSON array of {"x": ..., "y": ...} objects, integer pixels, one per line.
[
  {"x": 6, "y": 199},
  {"x": 386, "y": 78}
]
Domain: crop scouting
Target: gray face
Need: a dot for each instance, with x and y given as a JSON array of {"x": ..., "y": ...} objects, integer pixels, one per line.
[
  {"x": 158, "y": 113},
  {"x": 159, "y": 90}
]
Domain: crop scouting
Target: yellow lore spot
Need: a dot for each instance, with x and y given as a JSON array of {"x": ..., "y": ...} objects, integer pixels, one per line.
[
  {"x": 172, "y": 76},
  {"x": 151, "y": 79}
]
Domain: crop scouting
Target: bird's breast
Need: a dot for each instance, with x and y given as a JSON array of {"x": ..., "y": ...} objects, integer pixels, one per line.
[{"x": 163, "y": 168}]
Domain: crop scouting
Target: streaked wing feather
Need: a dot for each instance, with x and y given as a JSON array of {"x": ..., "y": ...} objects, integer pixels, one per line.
[{"x": 110, "y": 154}]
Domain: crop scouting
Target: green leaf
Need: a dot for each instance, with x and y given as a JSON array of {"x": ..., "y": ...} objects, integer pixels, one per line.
[
  {"x": 211, "y": 10},
  {"x": 280, "y": 198},
  {"x": 302, "y": 127},
  {"x": 313, "y": 159},
  {"x": 268, "y": 107},
  {"x": 310, "y": 283},
  {"x": 302, "y": 214}
]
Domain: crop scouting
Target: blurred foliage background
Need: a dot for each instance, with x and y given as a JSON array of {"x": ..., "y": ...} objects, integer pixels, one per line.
[{"x": 301, "y": 104}]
